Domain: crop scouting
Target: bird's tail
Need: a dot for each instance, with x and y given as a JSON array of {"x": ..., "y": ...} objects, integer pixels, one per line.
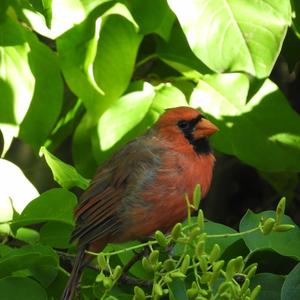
[{"x": 74, "y": 276}]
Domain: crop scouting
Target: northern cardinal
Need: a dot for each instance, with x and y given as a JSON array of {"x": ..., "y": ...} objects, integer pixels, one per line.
[{"x": 141, "y": 188}]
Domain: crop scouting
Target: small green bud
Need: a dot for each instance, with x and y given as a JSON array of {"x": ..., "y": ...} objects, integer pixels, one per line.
[
  {"x": 139, "y": 293},
  {"x": 107, "y": 283},
  {"x": 176, "y": 231},
  {"x": 283, "y": 227},
  {"x": 153, "y": 257},
  {"x": 192, "y": 293},
  {"x": 251, "y": 271},
  {"x": 100, "y": 277},
  {"x": 117, "y": 272},
  {"x": 197, "y": 196},
  {"x": 280, "y": 210},
  {"x": 226, "y": 296},
  {"x": 168, "y": 279},
  {"x": 194, "y": 233},
  {"x": 203, "y": 263},
  {"x": 223, "y": 287},
  {"x": 101, "y": 261},
  {"x": 147, "y": 265},
  {"x": 218, "y": 265},
  {"x": 169, "y": 264},
  {"x": 239, "y": 264},
  {"x": 200, "y": 219},
  {"x": 199, "y": 250},
  {"x": 214, "y": 253},
  {"x": 245, "y": 286},
  {"x": 157, "y": 289},
  {"x": 206, "y": 277},
  {"x": 235, "y": 265},
  {"x": 268, "y": 226},
  {"x": 185, "y": 264},
  {"x": 177, "y": 274},
  {"x": 161, "y": 239},
  {"x": 255, "y": 292}
]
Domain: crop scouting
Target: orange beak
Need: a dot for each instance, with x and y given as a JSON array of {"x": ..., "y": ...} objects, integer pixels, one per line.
[{"x": 204, "y": 128}]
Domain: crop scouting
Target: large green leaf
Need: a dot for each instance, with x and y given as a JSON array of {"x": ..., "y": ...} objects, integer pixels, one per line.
[
  {"x": 56, "y": 234},
  {"x": 27, "y": 257},
  {"x": 47, "y": 98},
  {"x": 291, "y": 285},
  {"x": 124, "y": 115},
  {"x": 177, "y": 53},
  {"x": 263, "y": 132},
  {"x": 16, "y": 79},
  {"x": 144, "y": 12},
  {"x": 82, "y": 144},
  {"x": 16, "y": 288},
  {"x": 15, "y": 193},
  {"x": 54, "y": 205},
  {"x": 51, "y": 21},
  {"x": 98, "y": 58},
  {"x": 66, "y": 175},
  {"x": 133, "y": 114},
  {"x": 235, "y": 35},
  {"x": 284, "y": 243},
  {"x": 271, "y": 286}
]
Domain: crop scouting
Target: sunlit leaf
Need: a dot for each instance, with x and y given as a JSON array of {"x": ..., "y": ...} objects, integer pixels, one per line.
[
  {"x": 143, "y": 12},
  {"x": 235, "y": 35},
  {"x": 96, "y": 71},
  {"x": 66, "y": 175},
  {"x": 262, "y": 132},
  {"x": 15, "y": 193},
  {"x": 47, "y": 98},
  {"x": 54, "y": 205},
  {"x": 50, "y": 19},
  {"x": 124, "y": 115}
]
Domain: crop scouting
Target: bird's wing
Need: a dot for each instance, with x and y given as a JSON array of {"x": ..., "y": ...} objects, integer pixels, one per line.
[{"x": 97, "y": 212}]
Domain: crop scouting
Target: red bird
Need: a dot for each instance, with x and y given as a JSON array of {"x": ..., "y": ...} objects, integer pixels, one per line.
[{"x": 141, "y": 188}]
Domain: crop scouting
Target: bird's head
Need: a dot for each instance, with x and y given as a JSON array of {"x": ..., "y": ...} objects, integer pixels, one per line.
[{"x": 182, "y": 124}]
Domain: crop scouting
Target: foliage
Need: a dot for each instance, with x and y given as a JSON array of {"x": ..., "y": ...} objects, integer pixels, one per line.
[{"x": 94, "y": 74}]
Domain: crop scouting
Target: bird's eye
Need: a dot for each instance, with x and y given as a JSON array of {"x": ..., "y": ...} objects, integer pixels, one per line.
[{"x": 183, "y": 124}]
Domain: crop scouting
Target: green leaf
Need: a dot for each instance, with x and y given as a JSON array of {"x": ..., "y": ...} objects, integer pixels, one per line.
[
  {"x": 12, "y": 198},
  {"x": 54, "y": 205},
  {"x": 212, "y": 228},
  {"x": 291, "y": 285},
  {"x": 16, "y": 288},
  {"x": 126, "y": 113},
  {"x": 296, "y": 20},
  {"x": 164, "y": 96},
  {"x": 177, "y": 289},
  {"x": 66, "y": 175},
  {"x": 27, "y": 235},
  {"x": 271, "y": 286},
  {"x": 255, "y": 28},
  {"x": 244, "y": 124},
  {"x": 56, "y": 234},
  {"x": 27, "y": 257},
  {"x": 16, "y": 79},
  {"x": 284, "y": 243},
  {"x": 177, "y": 53},
  {"x": 93, "y": 56},
  {"x": 82, "y": 143},
  {"x": 144, "y": 12},
  {"x": 47, "y": 98},
  {"x": 50, "y": 19}
]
